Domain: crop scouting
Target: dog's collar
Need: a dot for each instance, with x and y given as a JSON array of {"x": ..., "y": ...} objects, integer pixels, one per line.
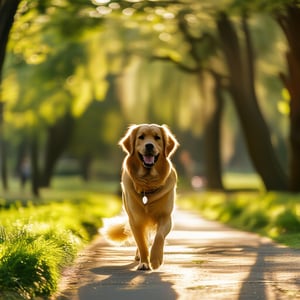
[
  {"x": 145, "y": 193},
  {"x": 149, "y": 192}
]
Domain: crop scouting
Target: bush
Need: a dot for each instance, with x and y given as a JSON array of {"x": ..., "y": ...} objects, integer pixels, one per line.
[
  {"x": 255, "y": 220},
  {"x": 37, "y": 241},
  {"x": 288, "y": 222},
  {"x": 30, "y": 263}
]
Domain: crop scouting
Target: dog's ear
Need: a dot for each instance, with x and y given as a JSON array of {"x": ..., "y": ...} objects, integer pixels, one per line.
[
  {"x": 127, "y": 142},
  {"x": 171, "y": 144}
]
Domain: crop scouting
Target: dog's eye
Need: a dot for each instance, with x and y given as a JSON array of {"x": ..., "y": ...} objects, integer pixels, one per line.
[
  {"x": 141, "y": 137},
  {"x": 157, "y": 137}
]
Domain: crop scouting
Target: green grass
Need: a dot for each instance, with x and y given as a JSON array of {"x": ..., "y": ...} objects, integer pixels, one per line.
[
  {"x": 39, "y": 238},
  {"x": 242, "y": 181},
  {"x": 68, "y": 187},
  {"x": 276, "y": 215}
]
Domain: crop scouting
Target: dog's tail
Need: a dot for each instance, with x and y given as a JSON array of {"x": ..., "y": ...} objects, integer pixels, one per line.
[{"x": 116, "y": 230}]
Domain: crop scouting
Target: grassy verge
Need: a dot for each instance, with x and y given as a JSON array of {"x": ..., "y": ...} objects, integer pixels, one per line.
[
  {"x": 38, "y": 238},
  {"x": 276, "y": 215}
]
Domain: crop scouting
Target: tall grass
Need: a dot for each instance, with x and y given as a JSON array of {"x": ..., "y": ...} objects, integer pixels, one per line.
[
  {"x": 38, "y": 240},
  {"x": 30, "y": 263}
]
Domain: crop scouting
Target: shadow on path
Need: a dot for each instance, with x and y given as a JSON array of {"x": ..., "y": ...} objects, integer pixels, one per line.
[
  {"x": 276, "y": 271},
  {"x": 203, "y": 260},
  {"x": 124, "y": 282}
]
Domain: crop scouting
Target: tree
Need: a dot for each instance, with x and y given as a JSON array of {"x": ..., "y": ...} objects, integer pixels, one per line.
[
  {"x": 241, "y": 70},
  {"x": 63, "y": 65},
  {"x": 57, "y": 140},
  {"x": 212, "y": 138},
  {"x": 8, "y": 9},
  {"x": 289, "y": 20},
  {"x": 35, "y": 172},
  {"x": 200, "y": 37},
  {"x": 286, "y": 13},
  {"x": 59, "y": 65}
]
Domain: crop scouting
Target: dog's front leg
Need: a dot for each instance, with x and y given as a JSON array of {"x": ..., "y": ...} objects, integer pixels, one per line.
[
  {"x": 142, "y": 244},
  {"x": 163, "y": 228}
]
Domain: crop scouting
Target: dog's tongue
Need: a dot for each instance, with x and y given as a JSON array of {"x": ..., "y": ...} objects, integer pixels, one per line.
[{"x": 149, "y": 160}]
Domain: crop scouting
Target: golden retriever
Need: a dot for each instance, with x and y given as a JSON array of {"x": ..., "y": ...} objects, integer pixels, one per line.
[{"x": 148, "y": 189}]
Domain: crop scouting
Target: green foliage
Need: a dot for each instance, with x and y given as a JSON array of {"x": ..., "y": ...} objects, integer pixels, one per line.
[
  {"x": 276, "y": 215},
  {"x": 37, "y": 241},
  {"x": 288, "y": 222},
  {"x": 29, "y": 264},
  {"x": 271, "y": 6},
  {"x": 61, "y": 53},
  {"x": 55, "y": 49}
]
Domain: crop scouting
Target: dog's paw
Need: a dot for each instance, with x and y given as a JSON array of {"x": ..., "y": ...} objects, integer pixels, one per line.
[
  {"x": 143, "y": 267},
  {"x": 156, "y": 263}
]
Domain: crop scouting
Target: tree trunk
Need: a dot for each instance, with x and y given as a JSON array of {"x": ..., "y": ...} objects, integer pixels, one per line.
[
  {"x": 212, "y": 140},
  {"x": 85, "y": 166},
  {"x": 57, "y": 140},
  {"x": 35, "y": 183},
  {"x": 290, "y": 23},
  {"x": 3, "y": 161},
  {"x": 3, "y": 164},
  {"x": 8, "y": 10},
  {"x": 255, "y": 129}
]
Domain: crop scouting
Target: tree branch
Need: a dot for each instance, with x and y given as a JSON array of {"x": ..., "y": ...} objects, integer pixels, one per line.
[{"x": 181, "y": 66}]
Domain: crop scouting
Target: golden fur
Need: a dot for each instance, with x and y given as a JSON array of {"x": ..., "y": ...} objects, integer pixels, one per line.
[{"x": 148, "y": 171}]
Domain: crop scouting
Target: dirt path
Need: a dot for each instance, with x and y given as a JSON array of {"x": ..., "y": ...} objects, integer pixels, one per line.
[{"x": 203, "y": 260}]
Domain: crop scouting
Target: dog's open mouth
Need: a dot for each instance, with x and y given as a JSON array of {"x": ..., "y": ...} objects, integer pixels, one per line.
[{"x": 148, "y": 160}]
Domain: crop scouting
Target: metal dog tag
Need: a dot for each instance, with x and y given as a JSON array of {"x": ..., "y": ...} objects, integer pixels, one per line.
[{"x": 145, "y": 200}]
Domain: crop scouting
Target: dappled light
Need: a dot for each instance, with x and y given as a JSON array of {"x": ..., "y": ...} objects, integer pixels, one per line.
[
  {"x": 222, "y": 76},
  {"x": 147, "y": 62},
  {"x": 203, "y": 259}
]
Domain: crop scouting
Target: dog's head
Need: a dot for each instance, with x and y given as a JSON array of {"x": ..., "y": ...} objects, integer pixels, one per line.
[{"x": 150, "y": 143}]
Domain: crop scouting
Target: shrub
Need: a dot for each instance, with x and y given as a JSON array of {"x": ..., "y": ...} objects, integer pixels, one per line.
[
  {"x": 288, "y": 222},
  {"x": 30, "y": 263},
  {"x": 255, "y": 220}
]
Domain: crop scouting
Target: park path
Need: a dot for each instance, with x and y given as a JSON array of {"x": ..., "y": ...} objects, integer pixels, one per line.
[{"x": 203, "y": 260}]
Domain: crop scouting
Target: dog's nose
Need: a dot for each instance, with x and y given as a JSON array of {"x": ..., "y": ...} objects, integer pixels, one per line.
[{"x": 149, "y": 147}]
